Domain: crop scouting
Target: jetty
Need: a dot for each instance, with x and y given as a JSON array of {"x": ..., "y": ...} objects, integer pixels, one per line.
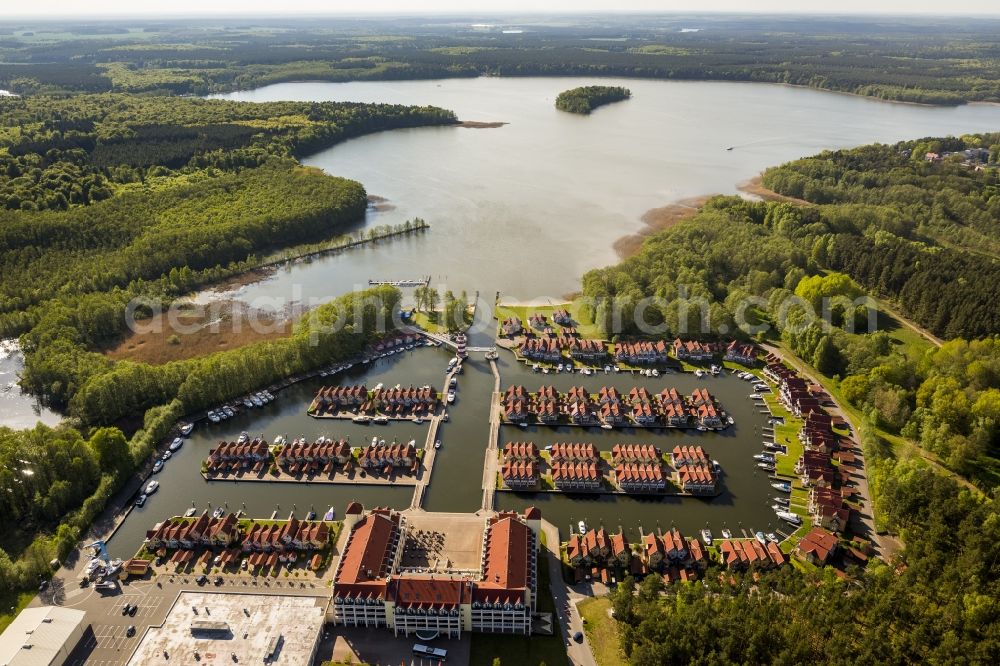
[{"x": 421, "y": 282}]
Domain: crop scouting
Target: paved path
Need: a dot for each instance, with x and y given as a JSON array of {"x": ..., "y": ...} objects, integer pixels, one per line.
[
  {"x": 490, "y": 464},
  {"x": 565, "y": 599},
  {"x": 863, "y": 521},
  {"x": 430, "y": 453}
]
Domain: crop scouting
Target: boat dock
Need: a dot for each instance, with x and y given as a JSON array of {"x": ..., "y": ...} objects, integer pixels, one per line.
[{"x": 422, "y": 282}]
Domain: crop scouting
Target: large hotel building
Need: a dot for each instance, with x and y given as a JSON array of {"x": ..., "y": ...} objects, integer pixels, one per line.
[{"x": 372, "y": 589}]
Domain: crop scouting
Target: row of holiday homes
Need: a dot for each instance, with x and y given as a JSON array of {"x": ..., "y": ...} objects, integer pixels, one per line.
[
  {"x": 551, "y": 348},
  {"x": 302, "y": 457},
  {"x": 827, "y": 483},
  {"x": 207, "y": 531},
  {"x": 608, "y": 406},
  {"x": 395, "y": 400},
  {"x": 635, "y": 468}
]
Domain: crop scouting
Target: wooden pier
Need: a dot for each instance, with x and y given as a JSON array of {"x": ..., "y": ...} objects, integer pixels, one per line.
[{"x": 422, "y": 282}]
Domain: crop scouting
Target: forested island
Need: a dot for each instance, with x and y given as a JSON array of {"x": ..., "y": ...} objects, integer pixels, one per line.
[{"x": 585, "y": 99}]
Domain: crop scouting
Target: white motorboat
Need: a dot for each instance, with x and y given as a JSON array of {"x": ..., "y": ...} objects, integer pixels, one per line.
[
  {"x": 582, "y": 527},
  {"x": 190, "y": 512},
  {"x": 727, "y": 534},
  {"x": 243, "y": 438},
  {"x": 218, "y": 513},
  {"x": 790, "y": 517},
  {"x": 141, "y": 500},
  {"x": 606, "y": 426},
  {"x": 760, "y": 537},
  {"x": 782, "y": 486},
  {"x": 418, "y": 420},
  {"x": 361, "y": 418},
  {"x": 151, "y": 487},
  {"x": 380, "y": 420},
  {"x": 437, "y": 444},
  {"x": 330, "y": 513},
  {"x": 656, "y": 373},
  {"x": 176, "y": 444},
  {"x": 772, "y": 537},
  {"x": 157, "y": 466},
  {"x": 451, "y": 397},
  {"x": 187, "y": 428},
  {"x": 706, "y": 536},
  {"x": 699, "y": 373},
  {"x": 166, "y": 455}
]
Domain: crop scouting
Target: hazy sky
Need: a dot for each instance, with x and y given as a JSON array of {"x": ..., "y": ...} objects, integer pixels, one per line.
[{"x": 67, "y": 8}]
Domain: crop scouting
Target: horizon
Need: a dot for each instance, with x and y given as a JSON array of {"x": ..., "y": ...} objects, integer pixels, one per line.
[{"x": 66, "y": 10}]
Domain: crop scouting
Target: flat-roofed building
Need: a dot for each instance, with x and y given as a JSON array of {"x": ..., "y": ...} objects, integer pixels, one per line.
[{"x": 42, "y": 636}]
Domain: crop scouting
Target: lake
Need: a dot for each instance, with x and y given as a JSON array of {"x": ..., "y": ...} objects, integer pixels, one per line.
[{"x": 526, "y": 209}]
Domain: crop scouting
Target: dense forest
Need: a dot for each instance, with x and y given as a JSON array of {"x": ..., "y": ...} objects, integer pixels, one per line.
[
  {"x": 936, "y": 245},
  {"x": 886, "y": 219},
  {"x": 777, "y": 255},
  {"x": 936, "y": 604},
  {"x": 939, "y": 61},
  {"x": 585, "y": 99},
  {"x": 110, "y": 199}
]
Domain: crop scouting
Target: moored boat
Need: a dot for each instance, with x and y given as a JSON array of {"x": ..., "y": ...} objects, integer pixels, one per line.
[{"x": 706, "y": 536}]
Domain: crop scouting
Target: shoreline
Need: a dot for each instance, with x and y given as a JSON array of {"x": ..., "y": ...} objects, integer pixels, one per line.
[
  {"x": 656, "y": 220},
  {"x": 755, "y": 188},
  {"x": 477, "y": 124}
]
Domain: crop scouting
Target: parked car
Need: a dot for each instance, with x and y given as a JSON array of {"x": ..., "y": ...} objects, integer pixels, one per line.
[
  {"x": 578, "y": 637},
  {"x": 130, "y": 632},
  {"x": 132, "y": 611},
  {"x": 218, "y": 580},
  {"x": 202, "y": 579},
  {"x": 126, "y": 608}
]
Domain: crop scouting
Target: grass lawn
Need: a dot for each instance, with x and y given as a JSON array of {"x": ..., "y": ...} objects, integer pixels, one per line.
[
  {"x": 17, "y": 600},
  {"x": 517, "y": 650},
  {"x": 602, "y": 631},
  {"x": 586, "y": 329},
  {"x": 428, "y": 321}
]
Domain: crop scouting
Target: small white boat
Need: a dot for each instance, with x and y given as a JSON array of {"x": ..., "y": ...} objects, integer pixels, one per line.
[
  {"x": 606, "y": 426},
  {"x": 418, "y": 420},
  {"x": 362, "y": 419},
  {"x": 617, "y": 369},
  {"x": 247, "y": 403},
  {"x": 213, "y": 417},
  {"x": 157, "y": 466},
  {"x": 190, "y": 512},
  {"x": 141, "y": 500},
  {"x": 545, "y": 371},
  {"x": 535, "y": 367},
  {"x": 582, "y": 527},
  {"x": 731, "y": 421},
  {"x": 230, "y": 412},
  {"x": 380, "y": 420},
  {"x": 699, "y": 373},
  {"x": 766, "y": 466},
  {"x": 330, "y": 513},
  {"x": 716, "y": 467},
  {"x": 760, "y": 537},
  {"x": 256, "y": 401},
  {"x": 656, "y": 373},
  {"x": 782, "y": 486},
  {"x": 187, "y": 428},
  {"x": 219, "y": 512},
  {"x": 716, "y": 370},
  {"x": 702, "y": 428},
  {"x": 727, "y": 534},
  {"x": 763, "y": 457},
  {"x": 451, "y": 397},
  {"x": 437, "y": 444},
  {"x": 607, "y": 369},
  {"x": 243, "y": 438},
  {"x": 176, "y": 444},
  {"x": 772, "y": 537},
  {"x": 790, "y": 517},
  {"x": 559, "y": 368},
  {"x": 151, "y": 487},
  {"x": 453, "y": 382},
  {"x": 374, "y": 442},
  {"x": 166, "y": 455},
  {"x": 522, "y": 424},
  {"x": 279, "y": 440},
  {"x": 706, "y": 536}
]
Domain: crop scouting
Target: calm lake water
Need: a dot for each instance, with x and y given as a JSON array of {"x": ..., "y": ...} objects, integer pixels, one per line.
[{"x": 525, "y": 210}]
